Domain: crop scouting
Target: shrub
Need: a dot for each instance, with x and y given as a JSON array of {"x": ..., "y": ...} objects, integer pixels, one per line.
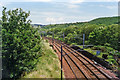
[{"x": 20, "y": 43}]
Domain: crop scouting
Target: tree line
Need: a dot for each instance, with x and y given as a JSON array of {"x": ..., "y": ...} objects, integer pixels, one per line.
[{"x": 96, "y": 34}]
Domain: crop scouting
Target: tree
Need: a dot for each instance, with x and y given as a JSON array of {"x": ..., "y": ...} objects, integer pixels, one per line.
[
  {"x": 20, "y": 43},
  {"x": 108, "y": 36}
]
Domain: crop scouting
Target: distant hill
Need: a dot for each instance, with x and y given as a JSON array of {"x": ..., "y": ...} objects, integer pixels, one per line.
[
  {"x": 98, "y": 21},
  {"x": 38, "y": 25},
  {"x": 106, "y": 20}
]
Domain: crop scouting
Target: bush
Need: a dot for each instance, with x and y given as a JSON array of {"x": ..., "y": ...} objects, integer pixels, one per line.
[
  {"x": 20, "y": 43},
  {"x": 106, "y": 36}
]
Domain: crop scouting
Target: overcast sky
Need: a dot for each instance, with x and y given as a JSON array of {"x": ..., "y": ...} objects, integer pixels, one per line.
[{"x": 63, "y": 11}]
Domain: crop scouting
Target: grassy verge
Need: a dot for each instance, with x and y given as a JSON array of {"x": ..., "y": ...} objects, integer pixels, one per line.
[{"x": 48, "y": 65}]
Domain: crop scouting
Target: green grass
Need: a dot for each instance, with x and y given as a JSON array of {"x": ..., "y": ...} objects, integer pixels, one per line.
[{"x": 48, "y": 65}]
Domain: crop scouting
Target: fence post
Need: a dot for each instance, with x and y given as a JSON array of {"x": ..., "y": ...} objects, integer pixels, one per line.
[
  {"x": 63, "y": 36},
  {"x": 61, "y": 62},
  {"x": 83, "y": 40}
]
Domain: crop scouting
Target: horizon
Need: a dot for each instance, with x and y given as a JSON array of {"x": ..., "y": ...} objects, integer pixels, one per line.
[
  {"x": 76, "y": 22},
  {"x": 47, "y": 12}
]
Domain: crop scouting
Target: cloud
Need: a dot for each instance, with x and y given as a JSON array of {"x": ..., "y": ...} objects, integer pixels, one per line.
[
  {"x": 26, "y": 0},
  {"x": 54, "y": 19},
  {"x": 37, "y": 0},
  {"x": 76, "y": 1},
  {"x": 68, "y": 19},
  {"x": 72, "y": 6},
  {"x": 1, "y": 4},
  {"x": 47, "y": 17},
  {"x": 101, "y": 0},
  {"x": 109, "y": 7},
  {"x": 51, "y": 13},
  {"x": 109, "y": 0},
  {"x": 80, "y": 1},
  {"x": 68, "y": 1}
]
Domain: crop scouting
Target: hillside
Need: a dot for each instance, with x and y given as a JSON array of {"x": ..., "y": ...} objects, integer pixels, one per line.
[
  {"x": 105, "y": 28},
  {"x": 105, "y": 20},
  {"x": 102, "y": 33},
  {"x": 98, "y": 21}
]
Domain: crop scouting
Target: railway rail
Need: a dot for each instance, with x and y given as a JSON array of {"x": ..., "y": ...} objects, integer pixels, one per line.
[{"x": 76, "y": 65}]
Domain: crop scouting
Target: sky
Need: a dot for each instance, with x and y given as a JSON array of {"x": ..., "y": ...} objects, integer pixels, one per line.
[{"x": 63, "y": 11}]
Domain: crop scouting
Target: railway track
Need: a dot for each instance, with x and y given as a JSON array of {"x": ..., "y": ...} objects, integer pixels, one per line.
[{"x": 76, "y": 65}]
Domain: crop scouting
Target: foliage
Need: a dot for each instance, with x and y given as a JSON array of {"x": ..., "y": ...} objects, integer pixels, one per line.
[
  {"x": 98, "y": 32},
  {"x": 108, "y": 35},
  {"x": 106, "y": 20},
  {"x": 20, "y": 43},
  {"x": 103, "y": 33}
]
